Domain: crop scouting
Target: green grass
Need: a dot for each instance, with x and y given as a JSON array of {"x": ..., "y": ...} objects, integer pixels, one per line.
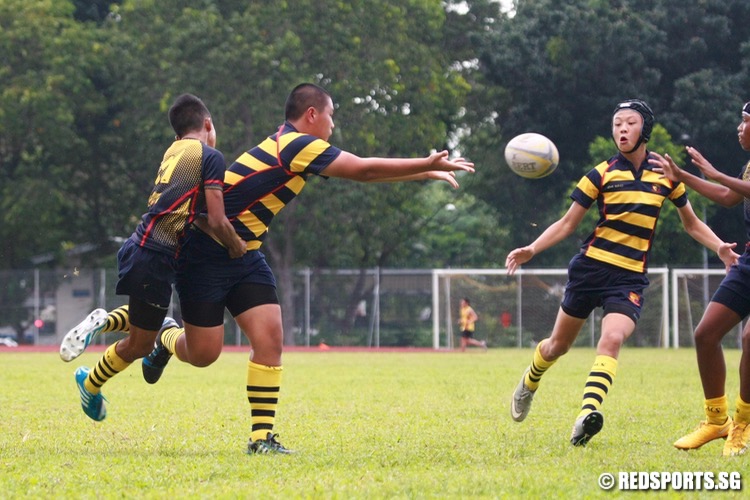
[{"x": 365, "y": 425}]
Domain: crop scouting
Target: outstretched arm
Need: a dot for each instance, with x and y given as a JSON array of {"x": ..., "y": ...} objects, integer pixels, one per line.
[
  {"x": 350, "y": 166},
  {"x": 551, "y": 236},
  {"x": 737, "y": 186},
  {"x": 704, "y": 235},
  {"x": 711, "y": 190},
  {"x": 435, "y": 175}
]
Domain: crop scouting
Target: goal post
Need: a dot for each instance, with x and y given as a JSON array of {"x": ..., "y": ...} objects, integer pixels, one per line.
[
  {"x": 691, "y": 291},
  {"x": 520, "y": 310}
]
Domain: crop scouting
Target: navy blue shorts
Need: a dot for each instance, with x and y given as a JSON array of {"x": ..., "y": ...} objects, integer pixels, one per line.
[
  {"x": 734, "y": 290},
  {"x": 207, "y": 275},
  {"x": 467, "y": 334},
  {"x": 145, "y": 274},
  {"x": 593, "y": 284}
]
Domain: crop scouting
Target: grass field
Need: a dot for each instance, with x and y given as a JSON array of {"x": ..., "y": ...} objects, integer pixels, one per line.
[{"x": 364, "y": 425}]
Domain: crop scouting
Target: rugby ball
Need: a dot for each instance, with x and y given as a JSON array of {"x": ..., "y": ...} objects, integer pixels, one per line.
[{"x": 532, "y": 155}]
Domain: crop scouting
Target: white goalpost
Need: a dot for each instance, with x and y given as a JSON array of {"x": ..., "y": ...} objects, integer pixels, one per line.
[
  {"x": 520, "y": 310},
  {"x": 691, "y": 290}
]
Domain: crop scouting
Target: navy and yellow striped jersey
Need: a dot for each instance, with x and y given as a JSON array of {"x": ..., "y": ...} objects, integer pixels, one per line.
[
  {"x": 265, "y": 179},
  {"x": 629, "y": 203},
  {"x": 745, "y": 176},
  {"x": 188, "y": 167}
]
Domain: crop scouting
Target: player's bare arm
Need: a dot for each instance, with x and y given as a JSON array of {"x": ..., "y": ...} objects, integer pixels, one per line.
[
  {"x": 433, "y": 175},
  {"x": 352, "y": 167},
  {"x": 219, "y": 226},
  {"x": 738, "y": 186},
  {"x": 715, "y": 192},
  {"x": 700, "y": 232}
]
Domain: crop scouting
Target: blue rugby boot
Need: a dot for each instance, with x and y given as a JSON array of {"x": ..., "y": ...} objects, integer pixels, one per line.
[
  {"x": 92, "y": 404},
  {"x": 153, "y": 365}
]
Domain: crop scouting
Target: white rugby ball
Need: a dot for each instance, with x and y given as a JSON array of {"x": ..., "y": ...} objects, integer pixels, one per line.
[{"x": 532, "y": 155}]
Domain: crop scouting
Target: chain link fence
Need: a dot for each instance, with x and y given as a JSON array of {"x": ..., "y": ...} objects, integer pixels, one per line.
[{"x": 375, "y": 307}]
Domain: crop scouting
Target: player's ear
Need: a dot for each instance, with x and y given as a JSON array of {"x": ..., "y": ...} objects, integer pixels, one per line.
[
  {"x": 311, "y": 113},
  {"x": 208, "y": 125}
]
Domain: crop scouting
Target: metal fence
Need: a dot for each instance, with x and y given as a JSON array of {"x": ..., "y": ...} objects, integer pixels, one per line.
[{"x": 376, "y": 307}]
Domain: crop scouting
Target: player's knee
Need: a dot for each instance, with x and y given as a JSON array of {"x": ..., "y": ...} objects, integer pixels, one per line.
[
  {"x": 746, "y": 340},
  {"x": 706, "y": 338},
  {"x": 130, "y": 348},
  {"x": 204, "y": 357},
  {"x": 554, "y": 348}
]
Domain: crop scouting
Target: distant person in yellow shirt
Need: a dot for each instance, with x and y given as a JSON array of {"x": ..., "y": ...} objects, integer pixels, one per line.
[{"x": 466, "y": 322}]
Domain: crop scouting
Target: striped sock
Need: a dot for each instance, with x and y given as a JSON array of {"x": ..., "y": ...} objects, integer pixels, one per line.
[
  {"x": 263, "y": 383},
  {"x": 108, "y": 366},
  {"x": 117, "y": 320},
  {"x": 717, "y": 410},
  {"x": 742, "y": 411},
  {"x": 597, "y": 385},
  {"x": 169, "y": 339},
  {"x": 537, "y": 368}
]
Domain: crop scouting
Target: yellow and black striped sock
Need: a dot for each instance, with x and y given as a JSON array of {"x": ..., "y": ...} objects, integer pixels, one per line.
[
  {"x": 717, "y": 410},
  {"x": 597, "y": 385},
  {"x": 263, "y": 384},
  {"x": 742, "y": 411},
  {"x": 108, "y": 366},
  {"x": 538, "y": 366},
  {"x": 117, "y": 320},
  {"x": 169, "y": 339}
]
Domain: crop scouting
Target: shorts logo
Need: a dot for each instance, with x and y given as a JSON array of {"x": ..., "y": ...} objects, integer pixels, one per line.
[{"x": 634, "y": 298}]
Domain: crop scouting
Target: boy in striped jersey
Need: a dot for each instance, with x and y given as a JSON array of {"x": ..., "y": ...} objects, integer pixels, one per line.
[
  {"x": 728, "y": 306},
  {"x": 259, "y": 184},
  {"x": 189, "y": 182},
  {"x": 610, "y": 270}
]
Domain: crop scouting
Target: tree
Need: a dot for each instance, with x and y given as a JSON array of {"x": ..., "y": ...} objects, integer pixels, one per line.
[
  {"x": 49, "y": 98},
  {"x": 558, "y": 68}
]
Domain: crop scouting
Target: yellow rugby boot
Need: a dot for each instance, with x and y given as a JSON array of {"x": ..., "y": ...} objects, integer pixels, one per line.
[
  {"x": 737, "y": 442},
  {"x": 703, "y": 434}
]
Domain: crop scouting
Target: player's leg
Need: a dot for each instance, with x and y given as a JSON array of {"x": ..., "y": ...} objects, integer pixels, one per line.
[
  {"x": 199, "y": 343},
  {"x": 146, "y": 277},
  {"x": 547, "y": 351},
  {"x": 470, "y": 340},
  {"x": 717, "y": 320},
  {"x": 738, "y": 439},
  {"x": 119, "y": 356},
  {"x": 262, "y": 325},
  {"x": 616, "y": 329},
  {"x": 729, "y": 304},
  {"x": 576, "y": 306},
  {"x": 255, "y": 307},
  {"x": 98, "y": 321}
]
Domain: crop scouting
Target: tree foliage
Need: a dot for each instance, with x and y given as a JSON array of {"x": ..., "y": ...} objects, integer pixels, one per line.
[
  {"x": 559, "y": 68},
  {"x": 85, "y": 85}
]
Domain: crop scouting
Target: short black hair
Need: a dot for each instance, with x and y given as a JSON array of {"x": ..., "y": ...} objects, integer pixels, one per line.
[
  {"x": 302, "y": 97},
  {"x": 187, "y": 114}
]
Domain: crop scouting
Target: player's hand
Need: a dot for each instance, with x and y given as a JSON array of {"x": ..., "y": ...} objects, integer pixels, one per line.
[
  {"x": 705, "y": 166},
  {"x": 666, "y": 166},
  {"x": 238, "y": 250},
  {"x": 517, "y": 257},
  {"x": 727, "y": 255},
  {"x": 440, "y": 175},
  {"x": 440, "y": 161}
]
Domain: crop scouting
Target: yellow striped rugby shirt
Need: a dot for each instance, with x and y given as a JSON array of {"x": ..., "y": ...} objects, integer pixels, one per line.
[
  {"x": 263, "y": 180},
  {"x": 629, "y": 203}
]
